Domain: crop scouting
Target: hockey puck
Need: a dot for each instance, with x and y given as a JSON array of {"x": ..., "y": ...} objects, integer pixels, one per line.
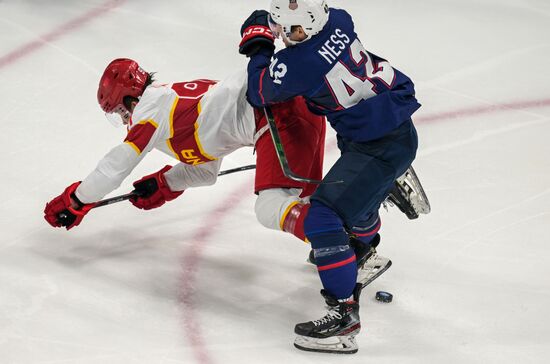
[{"x": 384, "y": 296}]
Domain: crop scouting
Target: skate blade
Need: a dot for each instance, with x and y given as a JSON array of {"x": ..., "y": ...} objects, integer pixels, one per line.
[
  {"x": 366, "y": 277},
  {"x": 333, "y": 345},
  {"x": 418, "y": 199}
]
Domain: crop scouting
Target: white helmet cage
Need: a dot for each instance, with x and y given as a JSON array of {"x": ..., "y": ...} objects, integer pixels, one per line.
[{"x": 311, "y": 15}]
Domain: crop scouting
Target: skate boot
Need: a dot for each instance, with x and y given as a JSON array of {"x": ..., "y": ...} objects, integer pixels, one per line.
[
  {"x": 335, "y": 332},
  {"x": 409, "y": 195},
  {"x": 370, "y": 265}
]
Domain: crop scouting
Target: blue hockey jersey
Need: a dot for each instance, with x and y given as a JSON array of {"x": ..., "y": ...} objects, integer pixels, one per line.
[{"x": 361, "y": 94}]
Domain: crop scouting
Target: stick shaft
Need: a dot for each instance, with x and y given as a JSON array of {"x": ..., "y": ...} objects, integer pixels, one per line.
[
  {"x": 279, "y": 149},
  {"x": 127, "y": 196}
]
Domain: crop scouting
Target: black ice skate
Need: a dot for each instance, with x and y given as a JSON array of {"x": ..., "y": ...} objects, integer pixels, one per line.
[
  {"x": 335, "y": 332},
  {"x": 370, "y": 265},
  {"x": 409, "y": 195}
]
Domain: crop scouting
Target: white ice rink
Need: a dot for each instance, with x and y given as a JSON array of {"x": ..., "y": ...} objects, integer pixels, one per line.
[{"x": 199, "y": 280}]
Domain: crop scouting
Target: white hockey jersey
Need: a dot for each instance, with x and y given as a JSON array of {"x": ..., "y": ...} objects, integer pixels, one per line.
[{"x": 196, "y": 122}]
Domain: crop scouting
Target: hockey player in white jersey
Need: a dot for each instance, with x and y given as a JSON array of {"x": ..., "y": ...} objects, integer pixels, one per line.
[{"x": 197, "y": 123}]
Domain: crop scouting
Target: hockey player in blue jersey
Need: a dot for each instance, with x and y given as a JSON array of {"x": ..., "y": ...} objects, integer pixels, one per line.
[{"x": 369, "y": 104}]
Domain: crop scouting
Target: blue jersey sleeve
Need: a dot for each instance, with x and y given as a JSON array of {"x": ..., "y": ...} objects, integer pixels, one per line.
[{"x": 276, "y": 78}]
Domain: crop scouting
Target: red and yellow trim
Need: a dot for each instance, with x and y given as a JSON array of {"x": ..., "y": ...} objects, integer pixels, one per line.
[
  {"x": 184, "y": 141},
  {"x": 171, "y": 122},
  {"x": 140, "y": 135},
  {"x": 285, "y": 214},
  {"x": 196, "y": 134},
  {"x": 134, "y": 147},
  {"x": 293, "y": 218}
]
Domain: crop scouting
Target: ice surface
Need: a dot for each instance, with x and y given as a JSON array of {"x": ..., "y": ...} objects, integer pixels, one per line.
[{"x": 199, "y": 280}]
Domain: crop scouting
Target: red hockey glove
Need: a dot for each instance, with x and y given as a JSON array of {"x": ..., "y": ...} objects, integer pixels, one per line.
[
  {"x": 152, "y": 191},
  {"x": 60, "y": 211},
  {"x": 256, "y": 34}
]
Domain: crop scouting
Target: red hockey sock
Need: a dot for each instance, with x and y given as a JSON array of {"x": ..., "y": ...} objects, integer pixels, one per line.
[{"x": 293, "y": 221}]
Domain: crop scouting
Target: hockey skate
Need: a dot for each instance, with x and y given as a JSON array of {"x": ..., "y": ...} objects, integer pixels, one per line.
[
  {"x": 335, "y": 332},
  {"x": 409, "y": 195},
  {"x": 370, "y": 265}
]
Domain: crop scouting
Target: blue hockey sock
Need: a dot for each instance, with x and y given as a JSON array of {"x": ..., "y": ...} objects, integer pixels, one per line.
[
  {"x": 338, "y": 272},
  {"x": 334, "y": 258},
  {"x": 366, "y": 230}
]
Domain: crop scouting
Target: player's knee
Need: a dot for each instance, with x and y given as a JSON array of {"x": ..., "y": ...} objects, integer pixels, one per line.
[
  {"x": 321, "y": 218},
  {"x": 323, "y": 227},
  {"x": 264, "y": 215},
  {"x": 271, "y": 205}
]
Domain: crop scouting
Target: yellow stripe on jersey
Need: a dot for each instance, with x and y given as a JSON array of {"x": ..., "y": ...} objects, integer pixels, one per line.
[
  {"x": 139, "y": 136},
  {"x": 199, "y": 109},
  {"x": 150, "y": 121},
  {"x": 134, "y": 147},
  {"x": 171, "y": 122}
]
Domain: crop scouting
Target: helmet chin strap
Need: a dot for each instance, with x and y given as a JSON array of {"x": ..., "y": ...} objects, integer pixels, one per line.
[{"x": 119, "y": 116}]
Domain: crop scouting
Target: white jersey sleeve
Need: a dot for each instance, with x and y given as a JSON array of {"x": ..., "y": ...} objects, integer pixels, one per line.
[
  {"x": 182, "y": 176},
  {"x": 109, "y": 173}
]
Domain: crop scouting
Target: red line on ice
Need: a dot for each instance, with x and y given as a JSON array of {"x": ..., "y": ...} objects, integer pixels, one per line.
[
  {"x": 58, "y": 32},
  {"x": 190, "y": 262},
  {"x": 488, "y": 109}
]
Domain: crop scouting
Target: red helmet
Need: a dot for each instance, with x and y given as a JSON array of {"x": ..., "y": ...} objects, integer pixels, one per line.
[{"x": 122, "y": 77}]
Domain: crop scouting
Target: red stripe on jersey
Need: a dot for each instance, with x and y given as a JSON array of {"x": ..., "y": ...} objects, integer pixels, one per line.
[
  {"x": 184, "y": 140},
  {"x": 141, "y": 134},
  {"x": 336, "y": 265},
  {"x": 262, "y": 85}
]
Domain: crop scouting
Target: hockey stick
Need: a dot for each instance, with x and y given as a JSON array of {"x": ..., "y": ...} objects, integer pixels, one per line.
[
  {"x": 127, "y": 196},
  {"x": 238, "y": 169},
  {"x": 281, "y": 152}
]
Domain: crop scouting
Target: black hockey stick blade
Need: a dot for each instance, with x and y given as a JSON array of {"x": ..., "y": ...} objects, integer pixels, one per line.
[{"x": 281, "y": 152}]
